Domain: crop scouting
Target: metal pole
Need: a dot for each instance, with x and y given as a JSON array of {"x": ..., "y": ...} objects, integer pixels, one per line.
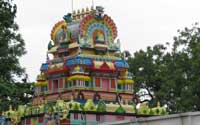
[
  {"x": 72, "y": 2},
  {"x": 93, "y": 3}
]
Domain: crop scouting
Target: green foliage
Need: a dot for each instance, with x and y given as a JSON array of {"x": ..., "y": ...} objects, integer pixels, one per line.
[
  {"x": 11, "y": 48},
  {"x": 11, "y": 42},
  {"x": 13, "y": 94},
  {"x": 172, "y": 75},
  {"x": 146, "y": 67}
]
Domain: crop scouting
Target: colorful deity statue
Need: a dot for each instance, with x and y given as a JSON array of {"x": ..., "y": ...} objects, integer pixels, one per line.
[
  {"x": 65, "y": 35},
  {"x": 99, "y": 37}
]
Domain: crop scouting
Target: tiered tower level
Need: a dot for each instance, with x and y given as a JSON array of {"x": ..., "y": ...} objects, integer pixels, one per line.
[{"x": 87, "y": 62}]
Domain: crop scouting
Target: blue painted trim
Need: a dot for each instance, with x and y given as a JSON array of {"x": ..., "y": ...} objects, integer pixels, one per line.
[
  {"x": 44, "y": 67},
  {"x": 79, "y": 60}
]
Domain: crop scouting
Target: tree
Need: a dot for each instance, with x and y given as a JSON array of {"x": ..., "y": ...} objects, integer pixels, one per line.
[
  {"x": 11, "y": 42},
  {"x": 11, "y": 48},
  {"x": 146, "y": 67},
  {"x": 186, "y": 53},
  {"x": 171, "y": 77},
  {"x": 14, "y": 94}
]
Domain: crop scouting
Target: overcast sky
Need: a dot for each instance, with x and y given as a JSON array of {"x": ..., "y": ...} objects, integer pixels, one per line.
[{"x": 140, "y": 23}]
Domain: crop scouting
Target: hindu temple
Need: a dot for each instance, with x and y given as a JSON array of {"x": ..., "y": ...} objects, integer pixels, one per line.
[{"x": 85, "y": 79}]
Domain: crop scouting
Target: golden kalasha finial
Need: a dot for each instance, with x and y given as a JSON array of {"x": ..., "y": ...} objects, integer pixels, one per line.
[
  {"x": 92, "y": 8},
  {"x": 78, "y": 14},
  {"x": 82, "y": 12},
  {"x": 87, "y": 11},
  {"x": 74, "y": 12},
  {"x": 74, "y": 15}
]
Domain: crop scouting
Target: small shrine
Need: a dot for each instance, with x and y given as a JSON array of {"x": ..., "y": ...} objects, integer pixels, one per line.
[{"x": 85, "y": 79}]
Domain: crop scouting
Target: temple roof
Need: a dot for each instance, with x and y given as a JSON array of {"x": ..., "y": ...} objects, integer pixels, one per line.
[{"x": 91, "y": 29}]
